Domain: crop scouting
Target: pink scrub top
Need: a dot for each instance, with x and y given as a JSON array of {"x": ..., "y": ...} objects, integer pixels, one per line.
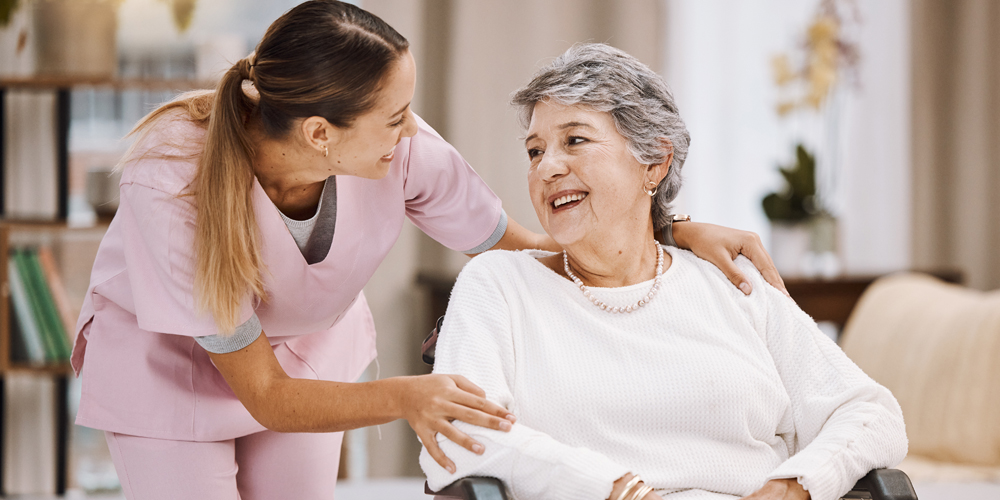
[{"x": 142, "y": 372}]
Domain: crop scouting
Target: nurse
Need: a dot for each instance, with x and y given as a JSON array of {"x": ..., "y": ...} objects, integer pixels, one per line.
[{"x": 225, "y": 321}]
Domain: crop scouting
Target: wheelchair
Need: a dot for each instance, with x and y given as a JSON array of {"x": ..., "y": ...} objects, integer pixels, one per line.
[{"x": 878, "y": 484}]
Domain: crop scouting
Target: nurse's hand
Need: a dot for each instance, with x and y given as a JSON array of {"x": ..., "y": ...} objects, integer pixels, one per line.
[
  {"x": 721, "y": 245},
  {"x": 431, "y": 402}
]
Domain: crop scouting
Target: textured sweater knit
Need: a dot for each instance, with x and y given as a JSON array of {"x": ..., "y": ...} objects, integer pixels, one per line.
[{"x": 704, "y": 392}]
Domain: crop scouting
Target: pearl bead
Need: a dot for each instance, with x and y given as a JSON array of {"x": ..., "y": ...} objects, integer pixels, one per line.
[{"x": 618, "y": 309}]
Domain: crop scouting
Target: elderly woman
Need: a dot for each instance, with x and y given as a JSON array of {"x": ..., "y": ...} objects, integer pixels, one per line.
[{"x": 622, "y": 358}]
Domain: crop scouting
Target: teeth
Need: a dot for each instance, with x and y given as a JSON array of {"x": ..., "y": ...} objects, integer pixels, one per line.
[{"x": 568, "y": 198}]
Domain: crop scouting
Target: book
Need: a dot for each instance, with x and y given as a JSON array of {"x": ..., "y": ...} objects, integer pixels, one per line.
[
  {"x": 26, "y": 323},
  {"x": 35, "y": 309},
  {"x": 49, "y": 312},
  {"x": 31, "y": 146},
  {"x": 58, "y": 290},
  {"x": 18, "y": 349}
]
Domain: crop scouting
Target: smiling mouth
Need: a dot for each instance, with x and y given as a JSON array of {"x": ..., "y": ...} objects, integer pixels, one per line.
[
  {"x": 389, "y": 156},
  {"x": 568, "y": 201}
]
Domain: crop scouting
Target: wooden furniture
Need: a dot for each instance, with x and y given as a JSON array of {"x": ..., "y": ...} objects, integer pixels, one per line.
[
  {"x": 833, "y": 299},
  {"x": 52, "y": 229}
]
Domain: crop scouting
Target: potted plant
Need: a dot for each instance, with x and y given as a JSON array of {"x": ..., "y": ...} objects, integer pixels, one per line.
[{"x": 802, "y": 214}]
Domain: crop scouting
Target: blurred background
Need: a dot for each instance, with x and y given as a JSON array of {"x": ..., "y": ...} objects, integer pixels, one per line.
[{"x": 857, "y": 138}]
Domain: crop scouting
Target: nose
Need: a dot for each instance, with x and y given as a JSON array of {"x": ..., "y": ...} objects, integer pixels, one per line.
[
  {"x": 410, "y": 129},
  {"x": 552, "y": 165}
]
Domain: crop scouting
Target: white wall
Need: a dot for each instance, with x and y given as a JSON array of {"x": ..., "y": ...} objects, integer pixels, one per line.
[{"x": 718, "y": 63}]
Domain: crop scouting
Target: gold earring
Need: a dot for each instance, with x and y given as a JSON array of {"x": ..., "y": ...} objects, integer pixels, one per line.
[
  {"x": 326, "y": 151},
  {"x": 651, "y": 192}
]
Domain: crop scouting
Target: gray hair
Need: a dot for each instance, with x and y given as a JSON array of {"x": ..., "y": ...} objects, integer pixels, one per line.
[{"x": 609, "y": 80}]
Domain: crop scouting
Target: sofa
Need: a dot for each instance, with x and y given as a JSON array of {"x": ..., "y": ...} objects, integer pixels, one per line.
[{"x": 936, "y": 346}]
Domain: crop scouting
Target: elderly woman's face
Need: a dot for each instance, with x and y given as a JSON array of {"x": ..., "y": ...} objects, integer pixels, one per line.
[{"x": 583, "y": 180}]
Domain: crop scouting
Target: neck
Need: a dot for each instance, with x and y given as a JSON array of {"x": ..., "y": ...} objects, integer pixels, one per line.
[
  {"x": 614, "y": 262},
  {"x": 287, "y": 178}
]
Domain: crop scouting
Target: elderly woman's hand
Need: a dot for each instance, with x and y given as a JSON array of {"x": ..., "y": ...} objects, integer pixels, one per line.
[
  {"x": 780, "y": 489},
  {"x": 720, "y": 246}
]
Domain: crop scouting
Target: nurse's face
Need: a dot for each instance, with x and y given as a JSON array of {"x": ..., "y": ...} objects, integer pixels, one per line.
[{"x": 368, "y": 146}]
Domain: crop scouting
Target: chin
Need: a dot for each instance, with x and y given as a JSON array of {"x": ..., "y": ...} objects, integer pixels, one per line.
[{"x": 565, "y": 236}]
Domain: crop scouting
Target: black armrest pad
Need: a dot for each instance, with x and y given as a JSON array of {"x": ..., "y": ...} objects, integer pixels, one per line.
[
  {"x": 886, "y": 484},
  {"x": 881, "y": 484},
  {"x": 472, "y": 488}
]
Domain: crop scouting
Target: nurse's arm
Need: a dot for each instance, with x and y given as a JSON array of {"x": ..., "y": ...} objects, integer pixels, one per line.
[
  {"x": 285, "y": 404},
  {"x": 716, "y": 244}
]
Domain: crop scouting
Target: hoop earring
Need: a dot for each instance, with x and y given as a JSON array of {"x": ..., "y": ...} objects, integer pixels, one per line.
[
  {"x": 653, "y": 191},
  {"x": 326, "y": 151}
]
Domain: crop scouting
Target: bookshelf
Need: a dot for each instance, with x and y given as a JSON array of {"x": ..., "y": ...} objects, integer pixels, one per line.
[{"x": 75, "y": 248}]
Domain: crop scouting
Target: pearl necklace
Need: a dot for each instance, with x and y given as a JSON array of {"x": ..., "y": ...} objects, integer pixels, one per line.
[{"x": 616, "y": 309}]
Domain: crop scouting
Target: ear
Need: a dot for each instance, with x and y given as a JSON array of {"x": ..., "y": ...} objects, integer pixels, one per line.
[
  {"x": 656, "y": 173},
  {"x": 319, "y": 133}
]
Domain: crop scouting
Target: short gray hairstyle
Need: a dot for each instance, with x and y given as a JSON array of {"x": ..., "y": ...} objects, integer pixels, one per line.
[{"x": 609, "y": 80}]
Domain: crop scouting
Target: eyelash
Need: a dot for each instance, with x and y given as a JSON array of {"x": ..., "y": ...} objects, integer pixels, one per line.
[
  {"x": 533, "y": 152},
  {"x": 400, "y": 122}
]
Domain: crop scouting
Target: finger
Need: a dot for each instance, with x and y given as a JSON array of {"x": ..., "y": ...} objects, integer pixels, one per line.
[
  {"x": 485, "y": 406},
  {"x": 431, "y": 444},
  {"x": 467, "y": 386},
  {"x": 462, "y": 439},
  {"x": 477, "y": 417},
  {"x": 762, "y": 261},
  {"x": 734, "y": 275}
]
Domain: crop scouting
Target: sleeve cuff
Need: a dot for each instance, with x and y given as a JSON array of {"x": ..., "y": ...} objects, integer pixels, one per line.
[
  {"x": 494, "y": 238},
  {"x": 244, "y": 335}
]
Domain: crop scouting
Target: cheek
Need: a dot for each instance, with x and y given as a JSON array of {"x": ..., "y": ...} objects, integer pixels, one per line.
[{"x": 535, "y": 192}]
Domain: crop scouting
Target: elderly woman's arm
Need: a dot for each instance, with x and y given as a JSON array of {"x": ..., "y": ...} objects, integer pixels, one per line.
[
  {"x": 845, "y": 424},
  {"x": 477, "y": 342}
]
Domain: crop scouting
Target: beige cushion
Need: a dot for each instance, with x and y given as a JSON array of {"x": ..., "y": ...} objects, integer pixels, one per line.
[{"x": 937, "y": 348}]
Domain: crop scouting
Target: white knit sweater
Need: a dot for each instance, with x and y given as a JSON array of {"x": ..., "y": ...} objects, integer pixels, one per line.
[{"x": 705, "y": 392}]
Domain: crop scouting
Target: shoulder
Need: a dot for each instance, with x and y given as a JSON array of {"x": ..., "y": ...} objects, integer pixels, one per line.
[
  {"x": 502, "y": 262},
  {"x": 165, "y": 156},
  {"x": 691, "y": 263},
  {"x": 503, "y": 268},
  {"x": 427, "y": 147}
]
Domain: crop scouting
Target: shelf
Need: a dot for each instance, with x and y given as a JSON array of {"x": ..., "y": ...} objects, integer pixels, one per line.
[
  {"x": 46, "y": 369},
  {"x": 63, "y": 82}
]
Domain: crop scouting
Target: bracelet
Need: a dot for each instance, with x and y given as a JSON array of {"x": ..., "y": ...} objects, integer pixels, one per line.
[
  {"x": 641, "y": 492},
  {"x": 667, "y": 232},
  {"x": 629, "y": 486}
]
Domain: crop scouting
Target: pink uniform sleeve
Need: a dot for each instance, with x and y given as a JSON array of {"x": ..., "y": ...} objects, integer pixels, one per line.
[
  {"x": 445, "y": 197},
  {"x": 158, "y": 246}
]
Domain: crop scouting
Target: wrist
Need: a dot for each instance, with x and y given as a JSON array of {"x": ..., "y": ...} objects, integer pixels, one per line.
[
  {"x": 391, "y": 393},
  {"x": 675, "y": 231}
]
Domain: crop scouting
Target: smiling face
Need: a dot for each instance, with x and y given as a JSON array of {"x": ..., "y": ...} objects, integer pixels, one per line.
[
  {"x": 584, "y": 183},
  {"x": 367, "y": 147}
]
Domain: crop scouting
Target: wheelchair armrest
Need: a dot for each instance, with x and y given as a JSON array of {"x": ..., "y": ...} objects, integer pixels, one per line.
[
  {"x": 470, "y": 488},
  {"x": 879, "y": 484},
  {"x": 884, "y": 484}
]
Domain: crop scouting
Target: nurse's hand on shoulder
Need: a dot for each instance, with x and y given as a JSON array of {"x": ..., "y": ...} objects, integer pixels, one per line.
[
  {"x": 431, "y": 402},
  {"x": 721, "y": 245}
]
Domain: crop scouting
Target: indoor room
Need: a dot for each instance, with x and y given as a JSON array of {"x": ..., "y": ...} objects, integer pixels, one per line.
[{"x": 856, "y": 138}]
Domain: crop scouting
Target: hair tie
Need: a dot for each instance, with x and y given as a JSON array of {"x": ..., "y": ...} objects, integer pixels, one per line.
[{"x": 252, "y": 62}]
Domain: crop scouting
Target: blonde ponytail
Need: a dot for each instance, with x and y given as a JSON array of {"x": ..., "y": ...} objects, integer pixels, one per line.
[{"x": 227, "y": 240}]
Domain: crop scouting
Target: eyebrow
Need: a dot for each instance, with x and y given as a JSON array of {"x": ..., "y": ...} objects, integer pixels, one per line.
[{"x": 564, "y": 126}]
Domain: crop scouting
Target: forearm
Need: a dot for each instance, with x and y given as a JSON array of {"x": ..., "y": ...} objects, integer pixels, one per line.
[
  {"x": 517, "y": 237},
  {"x": 301, "y": 405},
  {"x": 531, "y": 463}
]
